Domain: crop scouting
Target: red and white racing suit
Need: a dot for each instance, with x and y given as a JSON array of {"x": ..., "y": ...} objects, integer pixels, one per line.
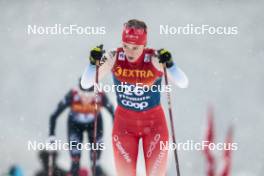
[{"x": 139, "y": 114}]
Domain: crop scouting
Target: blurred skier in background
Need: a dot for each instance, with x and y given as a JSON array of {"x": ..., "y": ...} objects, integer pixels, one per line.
[
  {"x": 82, "y": 104},
  {"x": 44, "y": 158}
]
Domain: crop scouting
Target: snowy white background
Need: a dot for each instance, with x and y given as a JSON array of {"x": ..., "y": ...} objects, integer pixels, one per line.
[{"x": 227, "y": 71}]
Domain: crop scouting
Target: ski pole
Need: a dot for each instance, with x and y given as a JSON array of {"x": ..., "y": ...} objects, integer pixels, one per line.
[
  {"x": 171, "y": 121},
  {"x": 210, "y": 135},
  {"x": 227, "y": 153},
  {"x": 50, "y": 164},
  {"x": 95, "y": 120}
]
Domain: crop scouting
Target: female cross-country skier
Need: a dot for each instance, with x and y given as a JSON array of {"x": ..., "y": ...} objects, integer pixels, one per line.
[
  {"x": 81, "y": 118},
  {"x": 139, "y": 114}
]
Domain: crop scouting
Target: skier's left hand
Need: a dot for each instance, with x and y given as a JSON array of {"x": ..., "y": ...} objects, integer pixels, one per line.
[{"x": 165, "y": 57}]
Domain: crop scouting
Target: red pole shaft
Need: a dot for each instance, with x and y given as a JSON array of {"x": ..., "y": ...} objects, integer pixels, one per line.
[{"x": 171, "y": 122}]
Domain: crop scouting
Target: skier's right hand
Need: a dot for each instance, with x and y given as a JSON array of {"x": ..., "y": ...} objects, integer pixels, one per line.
[{"x": 96, "y": 54}]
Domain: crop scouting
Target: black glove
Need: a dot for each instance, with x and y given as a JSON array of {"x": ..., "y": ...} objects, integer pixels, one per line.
[
  {"x": 165, "y": 57},
  {"x": 96, "y": 54}
]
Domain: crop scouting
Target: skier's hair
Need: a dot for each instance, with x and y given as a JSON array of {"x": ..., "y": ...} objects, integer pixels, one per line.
[{"x": 136, "y": 24}]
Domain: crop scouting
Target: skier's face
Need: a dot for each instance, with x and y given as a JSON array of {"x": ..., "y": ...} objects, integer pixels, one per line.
[{"x": 132, "y": 51}]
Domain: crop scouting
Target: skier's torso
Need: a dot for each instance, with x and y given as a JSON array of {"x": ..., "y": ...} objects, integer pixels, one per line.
[
  {"x": 134, "y": 80},
  {"x": 83, "y": 106}
]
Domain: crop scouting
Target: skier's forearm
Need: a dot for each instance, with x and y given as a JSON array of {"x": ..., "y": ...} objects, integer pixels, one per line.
[
  {"x": 53, "y": 119},
  {"x": 52, "y": 125},
  {"x": 63, "y": 104},
  {"x": 88, "y": 77},
  {"x": 177, "y": 76},
  {"x": 106, "y": 64}
]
